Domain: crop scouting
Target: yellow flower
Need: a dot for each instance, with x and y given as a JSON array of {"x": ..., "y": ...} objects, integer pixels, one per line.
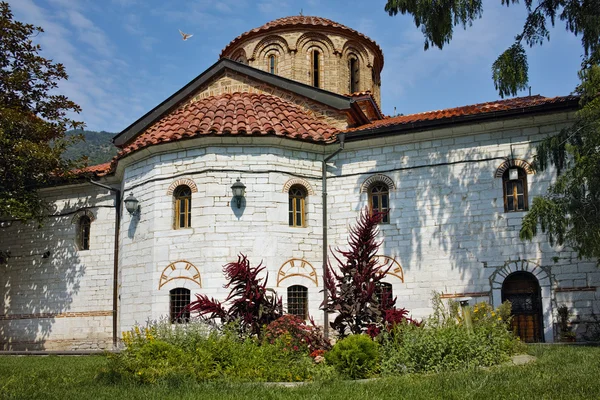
[{"x": 499, "y": 319}]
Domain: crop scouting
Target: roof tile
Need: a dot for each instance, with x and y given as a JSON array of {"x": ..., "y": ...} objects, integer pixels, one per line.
[
  {"x": 237, "y": 113},
  {"x": 474, "y": 109}
]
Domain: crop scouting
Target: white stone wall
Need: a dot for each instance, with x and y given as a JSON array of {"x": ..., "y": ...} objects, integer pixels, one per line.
[
  {"x": 448, "y": 227},
  {"x": 220, "y": 231},
  {"x": 62, "y": 301},
  {"x": 448, "y": 230}
]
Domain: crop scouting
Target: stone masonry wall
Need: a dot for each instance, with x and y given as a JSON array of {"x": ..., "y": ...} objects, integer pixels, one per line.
[
  {"x": 293, "y": 51},
  {"x": 448, "y": 228},
  {"x": 61, "y": 300},
  {"x": 153, "y": 252}
]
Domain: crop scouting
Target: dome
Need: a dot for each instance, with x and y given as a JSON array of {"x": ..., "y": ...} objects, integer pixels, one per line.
[
  {"x": 312, "y": 50},
  {"x": 300, "y": 21}
]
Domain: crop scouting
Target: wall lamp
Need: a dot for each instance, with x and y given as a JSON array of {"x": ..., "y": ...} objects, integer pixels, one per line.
[
  {"x": 132, "y": 205},
  {"x": 239, "y": 190}
]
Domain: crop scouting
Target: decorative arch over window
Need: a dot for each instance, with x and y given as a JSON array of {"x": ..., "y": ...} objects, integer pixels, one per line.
[
  {"x": 179, "y": 298},
  {"x": 298, "y": 181},
  {"x": 313, "y": 39},
  {"x": 83, "y": 220},
  {"x": 297, "y": 206},
  {"x": 179, "y": 182},
  {"x": 366, "y": 185},
  {"x": 240, "y": 56},
  {"x": 297, "y": 301},
  {"x": 395, "y": 267},
  {"x": 297, "y": 267},
  {"x": 514, "y": 163},
  {"x": 269, "y": 43},
  {"x": 180, "y": 270},
  {"x": 514, "y": 187},
  {"x": 182, "y": 210}
]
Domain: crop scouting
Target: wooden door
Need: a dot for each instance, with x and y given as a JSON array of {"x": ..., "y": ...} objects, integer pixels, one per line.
[{"x": 523, "y": 291}]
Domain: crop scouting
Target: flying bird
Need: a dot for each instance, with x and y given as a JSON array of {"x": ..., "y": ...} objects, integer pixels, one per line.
[{"x": 185, "y": 36}]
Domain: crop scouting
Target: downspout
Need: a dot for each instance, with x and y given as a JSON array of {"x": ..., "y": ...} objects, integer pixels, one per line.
[
  {"x": 117, "y": 193},
  {"x": 341, "y": 137}
]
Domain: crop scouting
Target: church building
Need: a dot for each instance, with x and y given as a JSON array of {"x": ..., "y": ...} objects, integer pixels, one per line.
[{"x": 273, "y": 152}]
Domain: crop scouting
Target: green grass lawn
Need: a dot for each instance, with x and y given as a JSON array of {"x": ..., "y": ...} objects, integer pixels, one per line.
[{"x": 560, "y": 372}]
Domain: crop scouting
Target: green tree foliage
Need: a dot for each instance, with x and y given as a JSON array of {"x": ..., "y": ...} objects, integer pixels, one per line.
[
  {"x": 437, "y": 19},
  {"x": 570, "y": 212},
  {"x": 33, "y": 120}
]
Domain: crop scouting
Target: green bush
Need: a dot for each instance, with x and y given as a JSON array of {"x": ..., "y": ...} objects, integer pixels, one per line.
[
  {"x": 448, "y": 342},
  {"x": 158, "y": 355},
  {"x": 356, "y": 356}
]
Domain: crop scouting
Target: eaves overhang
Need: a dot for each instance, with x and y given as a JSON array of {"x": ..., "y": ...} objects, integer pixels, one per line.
[{"x": 327, "y": 98}]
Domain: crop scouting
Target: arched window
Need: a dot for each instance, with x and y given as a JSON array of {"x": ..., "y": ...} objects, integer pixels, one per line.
[
  {"x": 183, "y": 206},
  {"x": 315, "y": 62},
  {"x": 353, "y": 74},
  {"x": 83, "y": 232},
  {"x": 385, "y": 295},
  {"x": 514, "y": 181},
  {"x": 298, "y": 301},
  {"x": 179, "y": 298},
  {"x": 379, "y": 200},
  {"x": 272, "y": 64},
  {"x": 297, "y": 200}
]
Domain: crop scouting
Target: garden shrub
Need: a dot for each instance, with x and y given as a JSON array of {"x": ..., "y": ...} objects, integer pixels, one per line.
[
  {"x": 296, "y": 335},
  {"x": 446, "y": 342},
  {"x": 156, "y": 355},
  {"x": 355, "y": 356}
]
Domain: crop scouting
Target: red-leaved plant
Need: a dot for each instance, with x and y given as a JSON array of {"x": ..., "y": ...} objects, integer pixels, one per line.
[
  {"x": 251, "y": 304},
  {"x": 297, "y": 334},
  {"x": 353, "y": 291}
]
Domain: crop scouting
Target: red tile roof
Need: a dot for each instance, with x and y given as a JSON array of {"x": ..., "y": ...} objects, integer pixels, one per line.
[
  {"x": 262, "y": 114},
  {"x": 235, "y": 114},
  {"x": 301, "y": 21},
  {"x": 98, "y": 170},
  {"x": 471, "y": 110}
]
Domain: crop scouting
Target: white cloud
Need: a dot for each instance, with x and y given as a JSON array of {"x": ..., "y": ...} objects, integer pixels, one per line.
[{"x": 92, "y": 81}]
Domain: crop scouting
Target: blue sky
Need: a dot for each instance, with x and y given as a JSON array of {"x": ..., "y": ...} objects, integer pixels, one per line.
[{"x": 126, "y": 56}]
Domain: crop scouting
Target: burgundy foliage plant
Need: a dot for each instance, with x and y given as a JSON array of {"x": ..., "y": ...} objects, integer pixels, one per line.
[
  {"x": 353, "y": 291},
  {"x": 251, "y": 303}
]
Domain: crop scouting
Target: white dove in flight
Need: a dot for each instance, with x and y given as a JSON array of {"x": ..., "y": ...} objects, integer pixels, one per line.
[{"x": 185, "y": 36}]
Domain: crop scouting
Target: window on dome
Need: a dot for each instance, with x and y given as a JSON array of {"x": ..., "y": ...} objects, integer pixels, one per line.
[
  {"x": 298, "y": 301},
  {"x": 183, "y": 207},
  {"x": 514, "y": 181},
  {"x": 379, "y": 200},
  {"x": 83, "y": 232},
  {"x": 315, "y": 63},
  {"x": 272, "y": 64},
  {"x": 179, "y": 299},
  {"x": 297, "y": 199},
  {"x": 354, "y": 74}
]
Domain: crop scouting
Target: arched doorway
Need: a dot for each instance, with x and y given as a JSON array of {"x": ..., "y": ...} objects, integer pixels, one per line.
[{"x": 522, "y": 289}]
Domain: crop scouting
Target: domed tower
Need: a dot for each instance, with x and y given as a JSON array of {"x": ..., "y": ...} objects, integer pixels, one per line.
[{"x": 315, "y": 51}]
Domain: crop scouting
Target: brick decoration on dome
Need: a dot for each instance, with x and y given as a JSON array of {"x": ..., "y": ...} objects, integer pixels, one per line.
[{"x": 301, "y": 21}]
